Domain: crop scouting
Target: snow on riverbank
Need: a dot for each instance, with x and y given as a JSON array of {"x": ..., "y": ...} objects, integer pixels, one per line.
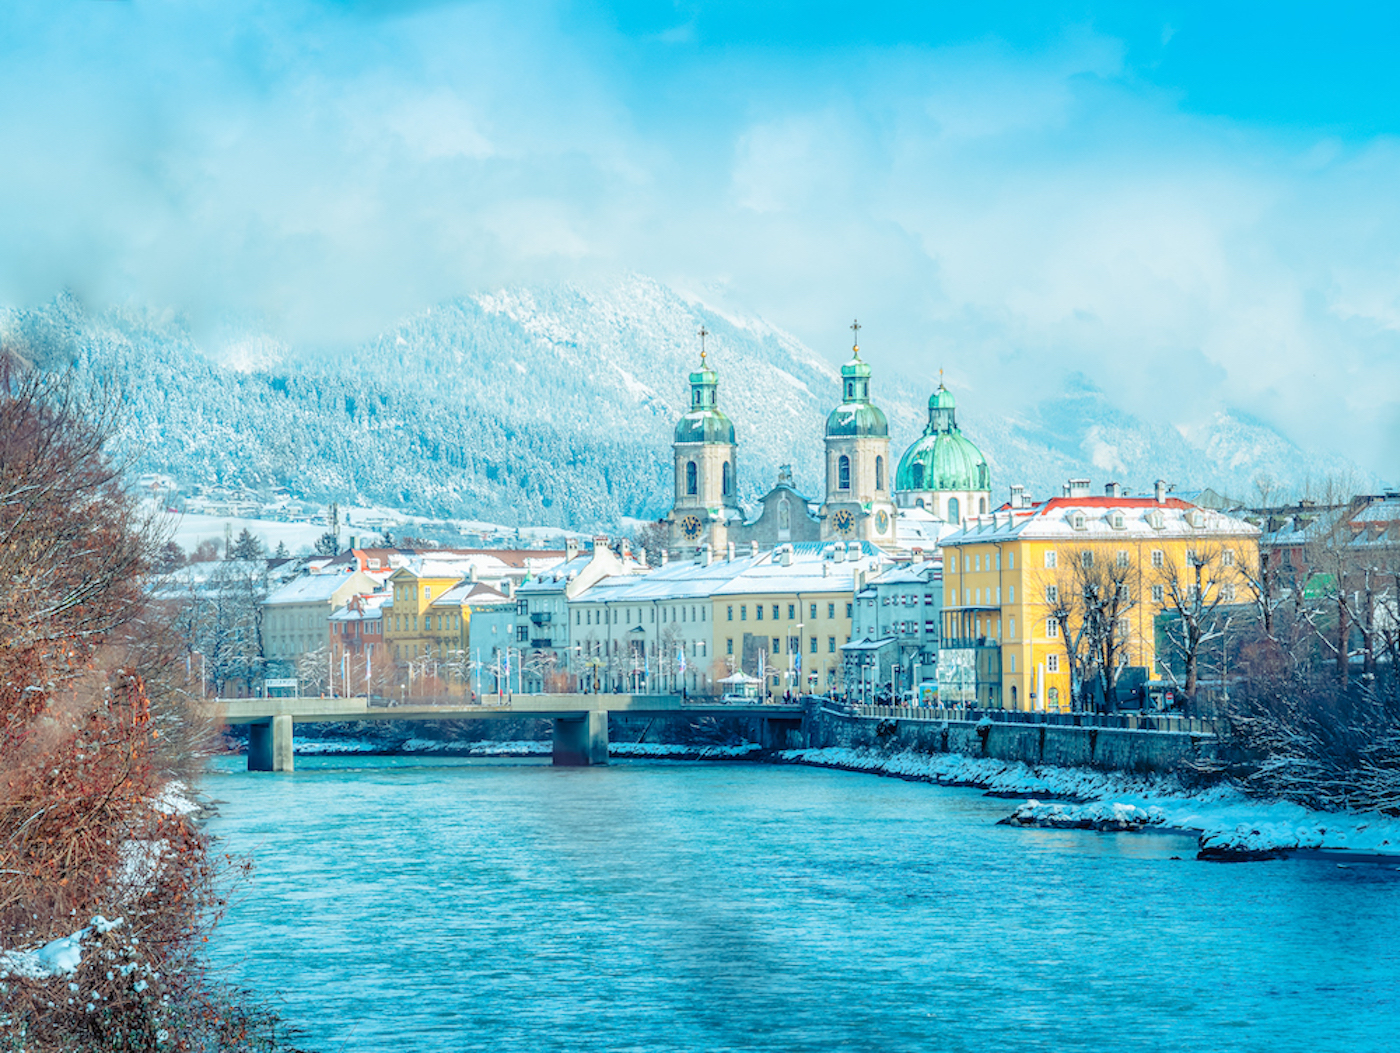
[
  {"x": 1229, "y": 822},
  {"x": 518, "y": 748}
]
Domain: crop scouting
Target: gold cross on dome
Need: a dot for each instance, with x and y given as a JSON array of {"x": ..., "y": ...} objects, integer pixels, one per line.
[
  {"x": 703, "y": 333},
  {"x": 855, "y": 328}
]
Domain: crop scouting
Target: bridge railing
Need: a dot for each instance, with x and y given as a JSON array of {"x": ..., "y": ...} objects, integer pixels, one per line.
[{"x": 1165, "y": 722}]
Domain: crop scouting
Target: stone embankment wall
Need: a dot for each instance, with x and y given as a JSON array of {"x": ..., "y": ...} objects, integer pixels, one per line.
[{"x": 1119, "y": 749}]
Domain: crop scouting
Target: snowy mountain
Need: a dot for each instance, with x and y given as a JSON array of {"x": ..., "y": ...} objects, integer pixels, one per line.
[{"x": 555, "y": 406}]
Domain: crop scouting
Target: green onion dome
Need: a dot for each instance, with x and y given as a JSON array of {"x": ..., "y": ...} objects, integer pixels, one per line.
[
  {"x": 857, "y": 416},
  {"x": 943, "y": 458},
  {"x": 704, "y": 422}
]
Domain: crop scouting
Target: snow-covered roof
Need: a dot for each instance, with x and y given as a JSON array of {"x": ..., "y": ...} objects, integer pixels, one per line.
[
  {"x": 471, "y": 592},
  {"x": 370, "y": 608},
  {"x": 309, "y": 588},
  {"x": 1100, "y": 519},
  {"x": 813, "y": 569}
]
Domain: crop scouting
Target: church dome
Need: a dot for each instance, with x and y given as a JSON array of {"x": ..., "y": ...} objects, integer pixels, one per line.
[
  {"x": 705, "y": 422},
  {"x": 708, "y": 425},
  {"x": 857, "y": 416},
  {"x": 943, "y": 458}
]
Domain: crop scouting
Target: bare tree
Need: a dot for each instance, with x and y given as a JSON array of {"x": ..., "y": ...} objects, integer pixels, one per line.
[{"x": 1192, "y": 594}]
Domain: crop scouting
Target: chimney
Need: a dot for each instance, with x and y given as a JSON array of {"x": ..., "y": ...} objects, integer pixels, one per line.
[
  {"x": 731, "y": 552},
  {"x": 570, "y": 547},
  {"x": 1077, "y": 488},
  {"x": 508, "y": 587},
  {"x": 838, "y": 552},
  {"x": 785, "y": 556},
  {"x": 703, "y": 556},
  {"x": 1160, "y": 487},
  {"x": 1112, "y": 490},
  {"x": 753, "y": 548},
  {"x": 471, "y": 573},
  {"x": 665, "y": 557},
  {"x": 1018, "y": 496}
]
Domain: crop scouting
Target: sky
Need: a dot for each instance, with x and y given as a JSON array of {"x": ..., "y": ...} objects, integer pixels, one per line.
[{"x": 1192, "y": 205}]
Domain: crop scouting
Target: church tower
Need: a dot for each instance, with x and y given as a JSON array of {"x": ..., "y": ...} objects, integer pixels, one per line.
[
  {"x": 706, "y": 480},
  {"x": 858, "y": 505}
]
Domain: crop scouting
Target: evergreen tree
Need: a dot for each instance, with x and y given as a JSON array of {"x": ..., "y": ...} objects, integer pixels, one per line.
[
  {"x": 327, "y": 544},
  {"x": 246, "y": 546},
  {"x": 282, "y": 552}
]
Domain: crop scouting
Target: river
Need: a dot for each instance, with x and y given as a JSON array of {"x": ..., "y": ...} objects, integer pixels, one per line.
[{"x": 444, "y": 905}]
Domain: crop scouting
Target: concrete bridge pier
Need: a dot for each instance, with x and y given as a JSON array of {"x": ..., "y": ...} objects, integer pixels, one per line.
[
  {"x": 270, "y": 745},
  {"x": 581, "y": 739}
]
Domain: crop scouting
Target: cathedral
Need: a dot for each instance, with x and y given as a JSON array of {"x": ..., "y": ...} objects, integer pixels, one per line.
[{"x": 941, "y": 479}]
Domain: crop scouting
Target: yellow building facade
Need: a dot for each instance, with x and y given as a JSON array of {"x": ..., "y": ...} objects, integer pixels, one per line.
[
  {"x": 414, "y": 628},
  {"x": 1016, "y": 623}
]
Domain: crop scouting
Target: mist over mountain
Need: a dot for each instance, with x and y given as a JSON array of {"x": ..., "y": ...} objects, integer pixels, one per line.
[{"x": 554, "y": 405}]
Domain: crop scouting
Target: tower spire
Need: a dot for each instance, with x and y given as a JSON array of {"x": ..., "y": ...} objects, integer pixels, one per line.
[
  {"x": 855, "y": 342},
  {"x": 703, "y": 333}
]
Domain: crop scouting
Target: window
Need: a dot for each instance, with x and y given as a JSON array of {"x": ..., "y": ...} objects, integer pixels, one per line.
[
  {"x": 692, "y": 478},
  {"x": 1157, "y": 592},
  {"x": 814, "y": 645},
  {"x": 1011, "y": 561},
  {"x": 1124, "y": 628},
  {"x": 775, "y": 612},
  {"x": 792, "y": 612},
  {"x": 1051, "y": 559},
  {"x": 725, "y": 479},
  {"x": 758, "y": 611},
  {"x": 1013, "y": 664},
  {"x": 1122, "y": 557},
  {"x": 954, "y": 516},
  {"x": 1154, "y": 519},
  {"x": 1052, "y": 594},
  {"x": 743, "y": 612},
  {"x": 977, "y": 561},
  {"x": 1052, "y": 663},
  {"x": 1159, "y": 559},
  {"x": 831, "y": 645},
  {"x": 1227, "y": 593},
  {"x": 1011, "y": 633},
  {"x": 1086, "y": 558},
  {"x": 1124, "y": 593},
  {"x": 831, "y": 610},
  {"x": 729, "y": 646},
  {"x": 521, "y": 633},
  {"x": 1116, "y": 520},
  {"x": 848, "y": 610},
  {"x": 982, "y": 510},
  {"x": 843, "y": 473},
  {"x": 1076, "y": 520},
  {"x": 1227, "y": 558},
  {"x": 916, "y": 479},
  {"x": 777, "y": 646},
  {"x": 879, "y": 473},
  {"x": 1011, "y": 594},
  {"x": 1191, "y": 558},
  {"x": 730, "y": 615}
]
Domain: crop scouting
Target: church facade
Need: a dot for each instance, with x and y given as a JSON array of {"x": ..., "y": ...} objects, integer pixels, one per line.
[{"x": 941, "y": 479}]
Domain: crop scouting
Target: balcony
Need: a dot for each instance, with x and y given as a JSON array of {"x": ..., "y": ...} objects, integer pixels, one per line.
[{"x": 541, "y": 617}]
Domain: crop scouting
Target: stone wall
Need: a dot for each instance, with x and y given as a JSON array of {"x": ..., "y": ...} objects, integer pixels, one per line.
[{"x": 1117, "y": 749}]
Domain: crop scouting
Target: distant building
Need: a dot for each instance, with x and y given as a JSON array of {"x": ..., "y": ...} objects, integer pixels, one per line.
[
  {"x": 296, "y": 615},
  {"x": 895, "y": 630}
]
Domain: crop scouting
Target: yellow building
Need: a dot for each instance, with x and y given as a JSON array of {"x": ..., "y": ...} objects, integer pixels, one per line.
[
  {"x": 416, "y": 625},
  {"x": 1041, "y": 596}
]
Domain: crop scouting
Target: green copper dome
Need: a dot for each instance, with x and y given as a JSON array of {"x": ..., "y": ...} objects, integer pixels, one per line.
[
  {"x": 704, "y": 422},
  {"x": 856, "y": 416},
  {"x": 943, "y": 458}
]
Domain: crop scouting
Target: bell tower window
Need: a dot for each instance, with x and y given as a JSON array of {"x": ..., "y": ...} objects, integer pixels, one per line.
[
  {"x": 843, "y": 473},
  {"x": 879, "y": 473},
  {"x": 726, "y": 480},
  {"x": 692, "y": 479}
]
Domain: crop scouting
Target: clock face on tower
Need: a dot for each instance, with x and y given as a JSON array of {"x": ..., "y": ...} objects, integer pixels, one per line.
[
  {"x": 882, "y": 521},
  {"x": 844, "y": 522},
  {"x": 691, "y": 527}
]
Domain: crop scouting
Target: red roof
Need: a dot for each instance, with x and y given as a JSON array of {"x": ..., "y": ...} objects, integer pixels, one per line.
[{"x": 1098, "y": 502}]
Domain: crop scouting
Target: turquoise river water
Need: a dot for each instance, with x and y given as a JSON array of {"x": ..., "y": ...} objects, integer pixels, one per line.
[{"x": 442, "y": 905}]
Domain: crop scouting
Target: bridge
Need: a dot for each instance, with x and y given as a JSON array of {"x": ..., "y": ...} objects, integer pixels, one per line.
[{"x": 580, "y": 721}]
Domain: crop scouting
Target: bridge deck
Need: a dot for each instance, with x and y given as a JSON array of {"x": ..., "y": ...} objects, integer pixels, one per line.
[{"x": 320, "y": 710}]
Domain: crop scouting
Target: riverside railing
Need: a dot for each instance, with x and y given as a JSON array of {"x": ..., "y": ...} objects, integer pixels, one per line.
[{"x": 1165, "y": 722}]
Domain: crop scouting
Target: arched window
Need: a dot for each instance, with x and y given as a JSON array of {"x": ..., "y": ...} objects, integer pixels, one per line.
[
  {"x": 850, "y": 390},
  {"x": 843, "y": 473},
  {"x": 879, "y": 473},
  {"x": 953, "y": 510},
  {"x": 916, "y": 476},
  {"x": 692, "y": 479},
  {"x": 725, "y": 479},
  {"x": 981, "y": 506},
  {"x": 920, "y": 502}
]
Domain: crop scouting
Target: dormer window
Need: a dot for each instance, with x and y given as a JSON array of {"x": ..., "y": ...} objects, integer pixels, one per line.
[
  {"x": 1076, "y": 520},
  {"x": 1115, "y": 520},
  {"x": 1154, "y": 519},
  {"x": 1196, "y": 518}
]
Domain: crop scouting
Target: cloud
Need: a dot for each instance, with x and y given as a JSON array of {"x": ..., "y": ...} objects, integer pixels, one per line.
[{"x": 1014, "y": 214}]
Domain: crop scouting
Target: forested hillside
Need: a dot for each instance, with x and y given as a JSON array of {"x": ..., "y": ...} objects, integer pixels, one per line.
[{"x": 555, "y": 405}]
